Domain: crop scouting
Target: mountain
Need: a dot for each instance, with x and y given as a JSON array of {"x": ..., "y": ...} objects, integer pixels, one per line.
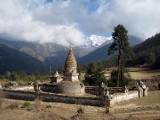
[
  {"x": 94, "y": 42},
  {"x": 134, "y": 40},
  {"x": 49, "y": 53},
  {"x": 13, "y": 60},
  {"x": 101, "y": 53},
  {"x": 146, "y": 53}
]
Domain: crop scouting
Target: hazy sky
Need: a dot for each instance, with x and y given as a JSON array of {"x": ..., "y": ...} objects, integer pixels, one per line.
[{"x": 72, "y": 21}]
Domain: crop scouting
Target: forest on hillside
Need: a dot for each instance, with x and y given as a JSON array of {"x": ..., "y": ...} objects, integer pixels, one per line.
[{"x": 146, "y": 54}]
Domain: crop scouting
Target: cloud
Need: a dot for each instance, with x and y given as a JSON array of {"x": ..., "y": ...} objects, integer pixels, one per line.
[
  {"x": 141, "y": 18},
  {"x": 18, "y": 22},
  {"x": 64, "y": 21}
]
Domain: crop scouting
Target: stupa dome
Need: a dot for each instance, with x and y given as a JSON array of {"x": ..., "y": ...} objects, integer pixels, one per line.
[{"x": 71, "y": 87}]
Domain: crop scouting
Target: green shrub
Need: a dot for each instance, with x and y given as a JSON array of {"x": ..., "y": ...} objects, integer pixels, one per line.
[
  {"x": 48, "y": 106},
  {"x": 26, "y": 104}
]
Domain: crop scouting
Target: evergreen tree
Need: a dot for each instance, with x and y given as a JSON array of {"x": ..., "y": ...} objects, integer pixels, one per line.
[
  {"x": 94, "y": 76},
  {"x": 121, "y": 44},
  {"x": 92, "y": 68},
  {"x": 124, "y": 78}
]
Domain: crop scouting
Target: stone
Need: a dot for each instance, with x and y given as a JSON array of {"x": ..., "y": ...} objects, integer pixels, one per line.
[
  {"x": 72, "y": 88},
  {"x": 36, "y": 86},
  {"x": 56, "y": 78},
  {"x": 0, "y": 86},
  {"x": 13, "y": 83},
  {"x": 31, "y": 83},
  {"x": 124, "y": 89}
]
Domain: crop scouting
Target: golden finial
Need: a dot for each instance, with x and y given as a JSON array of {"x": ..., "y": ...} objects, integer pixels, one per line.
[{"x": 70, "y": 48}]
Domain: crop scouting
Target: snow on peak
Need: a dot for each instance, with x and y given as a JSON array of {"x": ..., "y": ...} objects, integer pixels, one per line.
[
  {"x": 99, "y": 40},
  {"x": 95, "y": 41}
]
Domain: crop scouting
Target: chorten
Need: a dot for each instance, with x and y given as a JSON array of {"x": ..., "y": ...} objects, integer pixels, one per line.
[
  {"x": 71, "y": 67},
  {"x": 71, "y": 84}
]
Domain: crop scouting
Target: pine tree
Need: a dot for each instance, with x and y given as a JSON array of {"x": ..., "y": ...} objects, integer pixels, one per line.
[{"x": 121, "y": 44}]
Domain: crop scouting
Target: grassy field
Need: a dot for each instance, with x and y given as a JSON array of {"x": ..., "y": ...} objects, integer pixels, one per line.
[
  {"x": 139, "y": 73},
  {"x": 143, "y": 73}
]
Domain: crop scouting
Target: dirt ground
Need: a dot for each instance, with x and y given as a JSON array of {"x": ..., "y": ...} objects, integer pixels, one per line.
[{"x": 147, "y": 108}]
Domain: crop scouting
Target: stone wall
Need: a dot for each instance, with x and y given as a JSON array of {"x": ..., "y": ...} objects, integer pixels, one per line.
[
  {"x": 20, "y": 95},
  {"x": 51, "y": 97},
  {"x": 23, "y": 88},
  {"x": 48, "y": 88},
  {"x": 123, "y": 97},
  {"x": 94, "y": 90}
]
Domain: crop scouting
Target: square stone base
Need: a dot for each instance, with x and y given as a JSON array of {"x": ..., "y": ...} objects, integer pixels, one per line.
[{"x": 71, "y": 77}]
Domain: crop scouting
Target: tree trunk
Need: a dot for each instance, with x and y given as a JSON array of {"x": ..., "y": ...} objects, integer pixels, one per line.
[{"x": 119, "y": 65}]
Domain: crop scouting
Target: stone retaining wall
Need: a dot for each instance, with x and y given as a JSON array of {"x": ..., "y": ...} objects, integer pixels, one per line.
[
  {"x": 123, "y": 96},
  {"x": 23, "y": 95},
  {"x": 94, "y": 90},
  {"x": 98, "y": 100},
  {"x": 48, "y": 88},
  {"x": 23, "y": 88}
]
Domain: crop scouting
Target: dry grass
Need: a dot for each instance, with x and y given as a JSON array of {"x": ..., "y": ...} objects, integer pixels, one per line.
[
  {"x": 139, "y": 73},
  {"x": 145, "y": 74}
]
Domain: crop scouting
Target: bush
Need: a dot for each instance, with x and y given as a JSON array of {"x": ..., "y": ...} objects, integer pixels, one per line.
[
  {"x": 26, "y": 104},
  {"x": 48, "y": 106}
]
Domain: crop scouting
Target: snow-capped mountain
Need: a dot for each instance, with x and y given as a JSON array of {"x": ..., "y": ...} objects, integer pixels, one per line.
[{"x": 94, "y": 42}]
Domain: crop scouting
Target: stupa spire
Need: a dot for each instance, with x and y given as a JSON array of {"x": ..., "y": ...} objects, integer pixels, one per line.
[{"x": 70, "y": 48}]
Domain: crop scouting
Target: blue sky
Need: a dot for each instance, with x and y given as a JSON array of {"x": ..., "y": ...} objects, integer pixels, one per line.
[{"x": 73, "y": 21}]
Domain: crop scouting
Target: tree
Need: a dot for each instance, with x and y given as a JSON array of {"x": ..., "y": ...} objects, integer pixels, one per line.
[
  {"x": 92, "y": 68},
  {"x": 37, "y": 74},
  {"x": 13, "y": 77},
  {"x": 7, "y": 74},
  {"x": 94, "y": 75},
  {"x": 61, "y": 70},
  {"x": 124, "y": 78},
  {"x": 121, "y": 44},
  {"x": 44, "y": 71}
]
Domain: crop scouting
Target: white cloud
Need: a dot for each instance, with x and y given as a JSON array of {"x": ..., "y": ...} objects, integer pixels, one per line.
[
  {"x": 18, "y": 22},
  {"x": 63, "y": 21},
  {"x": 140, "y": 17}
]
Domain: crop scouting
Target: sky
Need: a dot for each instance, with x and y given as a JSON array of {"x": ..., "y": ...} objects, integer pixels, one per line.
[{"x": 73, "y": 21}]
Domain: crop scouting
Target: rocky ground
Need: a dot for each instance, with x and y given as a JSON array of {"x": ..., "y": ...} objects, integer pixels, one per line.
[{"x": 147, "y": 108}]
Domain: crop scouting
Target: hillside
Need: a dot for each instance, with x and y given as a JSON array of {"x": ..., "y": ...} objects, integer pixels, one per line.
[
  {"x": 101, "y": 53},
  {"x": 49, "y": 53},
  {"x": 13, "y": 60},
  {"x": 146, "y": 53}
]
